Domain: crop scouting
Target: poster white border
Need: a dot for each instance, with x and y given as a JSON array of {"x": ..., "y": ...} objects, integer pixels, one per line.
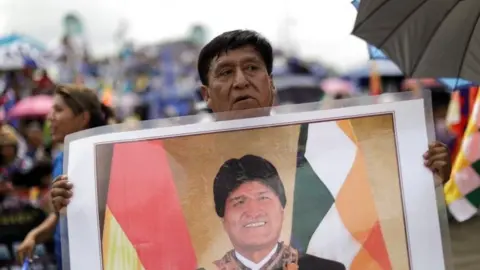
[{"x": 413, "y": 132}]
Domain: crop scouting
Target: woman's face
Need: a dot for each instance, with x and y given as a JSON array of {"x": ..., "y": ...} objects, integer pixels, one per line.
[{"x": 63, "y": 121}]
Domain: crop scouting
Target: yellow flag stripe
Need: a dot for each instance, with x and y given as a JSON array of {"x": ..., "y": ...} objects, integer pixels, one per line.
[
  {"x": 118, "y": 251},
  {"x": 452, "y": 192}
]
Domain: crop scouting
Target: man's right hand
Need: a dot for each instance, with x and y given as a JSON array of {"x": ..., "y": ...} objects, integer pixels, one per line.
[{"x": 61, "y": 192}]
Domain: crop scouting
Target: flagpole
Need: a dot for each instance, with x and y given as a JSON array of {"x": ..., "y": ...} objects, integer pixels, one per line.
[{"x": 375, "y": 83}]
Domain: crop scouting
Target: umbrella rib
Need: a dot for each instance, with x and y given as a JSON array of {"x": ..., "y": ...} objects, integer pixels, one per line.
[
  {"x": 405, "y": 19},
  {"x": 467, "y": 46},
  {"x": 414, "y": 67},
  {"x": 355, "y": 28}
]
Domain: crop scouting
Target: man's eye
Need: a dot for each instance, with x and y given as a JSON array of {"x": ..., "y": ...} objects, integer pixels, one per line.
[
  {"x": 225, "y": 72},
  {"x": 263, "y": 198},
  {"x": 252, "y": 67},
  {"x": 238, "y": 203}
]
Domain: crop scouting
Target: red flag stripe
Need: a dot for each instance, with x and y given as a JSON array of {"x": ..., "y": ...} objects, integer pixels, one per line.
[{"x": 143, "y": 199}]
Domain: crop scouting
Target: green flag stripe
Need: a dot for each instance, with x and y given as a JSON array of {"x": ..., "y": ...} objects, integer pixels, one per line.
[
  {"x": 474, "y": 197},
  {"x": 312, "y": 199},
  {"x": 476, "y": 166}
]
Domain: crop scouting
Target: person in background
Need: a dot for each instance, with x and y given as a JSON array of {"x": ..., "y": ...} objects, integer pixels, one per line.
[
  {"x": 23, "y": 171},
  {"x": 44, "y": 84},
  {"x": 75, "y": 108},
  {"x": 8, "y": 146},
  {"x": 235, "y": 70},
  {"x": 440, "y": 104},
  {"x": 34, "y": 138},
  {"x": 10, "y": 161},
  {"x": 21, "y": 144}
]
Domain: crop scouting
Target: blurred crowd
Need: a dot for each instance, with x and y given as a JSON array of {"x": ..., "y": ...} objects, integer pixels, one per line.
[{"x": 139, "y": 83}]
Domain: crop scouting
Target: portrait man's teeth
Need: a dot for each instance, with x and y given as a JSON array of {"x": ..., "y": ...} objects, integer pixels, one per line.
[{"x": 256, "y": 224}]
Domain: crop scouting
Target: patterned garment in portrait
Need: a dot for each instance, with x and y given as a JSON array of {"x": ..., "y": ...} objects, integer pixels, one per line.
[{"x": 285, "y": 258}]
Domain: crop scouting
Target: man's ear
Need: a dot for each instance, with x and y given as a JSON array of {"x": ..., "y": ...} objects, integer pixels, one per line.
[
  {"x": 223, "y": 223},
  {"x": 273, "y": 92},
  {"x": 206, "y": 95}
]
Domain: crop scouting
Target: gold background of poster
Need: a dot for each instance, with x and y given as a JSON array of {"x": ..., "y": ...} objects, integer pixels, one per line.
[{"x": 202, "y": 155}]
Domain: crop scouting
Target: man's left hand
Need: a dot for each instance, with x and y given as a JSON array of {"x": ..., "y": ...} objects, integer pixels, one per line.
[{"x": 437, "y": 159}]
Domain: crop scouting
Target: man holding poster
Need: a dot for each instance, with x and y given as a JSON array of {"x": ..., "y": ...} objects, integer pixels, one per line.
[{"x": 235, "y": 70}]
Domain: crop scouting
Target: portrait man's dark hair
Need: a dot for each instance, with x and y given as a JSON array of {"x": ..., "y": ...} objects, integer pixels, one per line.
[
  {"x": 230, "y": 41},
  {"x": 235, "y": 172}
]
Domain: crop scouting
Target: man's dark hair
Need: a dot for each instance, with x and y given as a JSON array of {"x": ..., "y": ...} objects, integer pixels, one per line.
[
  {"x": 235, "y": 172},
  {"x": 230, "y": 41}
]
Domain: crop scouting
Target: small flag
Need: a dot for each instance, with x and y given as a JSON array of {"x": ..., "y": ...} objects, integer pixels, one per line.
[
  {"x": 462, "y": 191},
  {"x": 459, "y": 110}
]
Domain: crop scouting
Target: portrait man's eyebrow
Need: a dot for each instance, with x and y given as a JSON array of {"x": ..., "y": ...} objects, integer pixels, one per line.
[{"x": 250, "y": 199}]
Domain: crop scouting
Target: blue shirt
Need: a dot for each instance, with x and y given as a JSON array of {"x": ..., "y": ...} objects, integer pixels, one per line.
[{"x": 57, "y": 239}]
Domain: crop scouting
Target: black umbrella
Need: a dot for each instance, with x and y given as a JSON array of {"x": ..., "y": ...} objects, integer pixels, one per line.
[{"x": 425, "y": 38}]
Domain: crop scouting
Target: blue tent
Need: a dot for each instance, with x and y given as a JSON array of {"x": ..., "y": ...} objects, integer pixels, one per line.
[{"x": 18, "y": 51}]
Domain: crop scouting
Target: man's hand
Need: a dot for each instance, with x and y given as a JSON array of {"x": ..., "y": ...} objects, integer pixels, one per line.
[
  {"x": 61, "y": 192},
  {"x": 26, "y": 248},
  {"x": 437, "y": 159}
]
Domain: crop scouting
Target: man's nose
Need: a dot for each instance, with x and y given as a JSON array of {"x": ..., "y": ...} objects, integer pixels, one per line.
[
  {"x": 253, "y": 208},
  {"x": 240, "y": 81}
]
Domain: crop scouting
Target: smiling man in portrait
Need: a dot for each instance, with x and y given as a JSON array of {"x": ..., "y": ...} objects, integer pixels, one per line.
[{"x": 250, "y": 199}]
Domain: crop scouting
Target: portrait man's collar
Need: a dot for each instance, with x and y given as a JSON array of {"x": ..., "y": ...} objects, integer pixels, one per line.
[{"x": 285, "y": 257}]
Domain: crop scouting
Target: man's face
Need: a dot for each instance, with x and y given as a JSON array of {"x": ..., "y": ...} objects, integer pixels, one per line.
[
  {"x": 238, "y": 80},
  {"x": 253, "y": 217}
]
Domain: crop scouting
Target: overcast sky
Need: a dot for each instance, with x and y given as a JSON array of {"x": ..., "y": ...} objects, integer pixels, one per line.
[{"x": 321, "y": 28}]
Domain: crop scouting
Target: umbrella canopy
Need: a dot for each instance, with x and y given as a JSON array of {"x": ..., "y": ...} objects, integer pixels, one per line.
[
  {"x": 34, "y": 106},
  {"x": 377, "y": 54},
  {"x": 425, "y": 38},
  {"x": 454, "y": 84},
  {"x": 17, "y": 52}
]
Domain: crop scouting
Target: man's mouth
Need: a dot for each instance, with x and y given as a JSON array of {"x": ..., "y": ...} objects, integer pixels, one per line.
[
  {"x": 255, "y": 224},
  {"x": 242, "y": 98}
]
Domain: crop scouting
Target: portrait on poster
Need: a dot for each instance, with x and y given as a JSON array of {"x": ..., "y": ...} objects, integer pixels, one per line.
[{"x": 322, "y": 194}]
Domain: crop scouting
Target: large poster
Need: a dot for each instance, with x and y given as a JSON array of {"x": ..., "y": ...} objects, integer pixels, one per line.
[{"x": 324, "y": 189}]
